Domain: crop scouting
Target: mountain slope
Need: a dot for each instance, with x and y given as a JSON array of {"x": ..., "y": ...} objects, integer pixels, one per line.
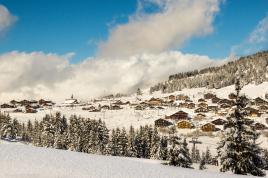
[{"x": 251, "y": 69}]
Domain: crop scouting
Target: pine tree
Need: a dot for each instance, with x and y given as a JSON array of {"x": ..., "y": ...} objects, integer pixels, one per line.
[
  {"x": 103, "y": 137},
  {"x": 155, "y": 145},
  {"x": 29, "y": 131},
  {"x": 24, "y": 137},
  {"x": 174, "y": 151},
  {"x": 132, "y": 152},
  {"x": 74, "y": 133},
  {"x": 138, "y": 145},
  {"x": 60, "y": 126},
  {"x": 208, "y": 157},
  {"x": 47, "y": 131},
  {"x": 113, "y": 145},
  {"x": 184, "y": 158},
  {"x": 163, "y": 150},
  {"x": 16, "y": 126},
  {"x": 238, "y": 150},
  {"x": 139, "y": 92},
  {"x": 8, "y": 131},
  {"x": 36, "y": 137},
  {"x": 202, "y": 162},
  {"x": 146, "y": 141},
  {"x": 197, "y": 155},
  {"x": 122, "y": 143}
]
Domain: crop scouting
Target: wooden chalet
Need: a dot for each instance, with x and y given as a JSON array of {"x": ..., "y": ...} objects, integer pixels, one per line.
[
  {"x": 155, "y": 102},
  {"x": 167, "y": 103},
  {"x": 218, "y": 121},
  {"x": 183, "y": 105},
  {"x": 191, "y": 106},
  {"x": 119, "y": 102},
  {"x": 259, "y": 101},
  {"x": 225, "y": 105},
  {"x": 201, "y": 100},
  {"x": 139, "y": 107},
  {"x": 6, "y": 106},
  {"x": 17, "y": 110},
  {"x": 202, "y": 105},
  {"x": 44, "y": 102},
  {"x": 222, "y": 113},
  {"x": 172, "y": 97},
  {"x": 159, "y": 107},
  {"x": 27, "y": 102},
  {"x": 30, "y": 110},
  {"x": 24, "y": 102},
  {"x": 248, "y": 121},
  {"x": 88, "y": 108},
  {"x": 95, "y": 110},
  {"x": 162, "y": 123},
  {"x": 201, "y": 109},
  {"x": 232, "y": 96},
  {"x": 209, "y": 127},
  {"x": 14, "y": 102},
  {"x": 215, "y": 100},
  {"x": 48, "y": 104},
  {"x": 208, "y": 96},
  {"x": 226, "y": 101},
  {"x": 259, "y": 126},
  {"x": 180, "y": 115},
  {"x": 213, "y": 108},
  {"x": 200, "y": 116},
  {"x": 115, "y": 107},
  {"x": 185, "y": 124},
  {"x": 266, "y": 96},
  {"x": 188, "y": 101},
  {"x": 182, "y": 97},
  {"x": 263, "y": 108},
  {"x": 106, "y": 107},
  {"x": 34, "y": 106},
  {"x": 252, "y": 112}
]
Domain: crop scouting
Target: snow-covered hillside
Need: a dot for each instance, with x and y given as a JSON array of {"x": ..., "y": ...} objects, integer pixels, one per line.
[
  {"x": 24, "y": 161},
  {"x": 129, "y": 116}
]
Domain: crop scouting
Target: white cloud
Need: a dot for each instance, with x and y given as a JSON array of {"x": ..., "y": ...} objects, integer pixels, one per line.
[
  {"x": 39, "y": 75},
  {"x": 6, "y": 18},
  {"x": 174, "y": 22},
  {"x": 256, "y": 41},
  {"x": 135, "y": 55},
  {"x": 260, "y": 33}
]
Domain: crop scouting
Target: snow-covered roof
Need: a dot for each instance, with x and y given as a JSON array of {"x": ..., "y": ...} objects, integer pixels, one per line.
[{"x": 70, "y": 101}]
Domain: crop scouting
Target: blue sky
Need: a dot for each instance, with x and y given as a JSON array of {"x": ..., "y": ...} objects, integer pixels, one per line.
[{"x": 78, "y": 25}]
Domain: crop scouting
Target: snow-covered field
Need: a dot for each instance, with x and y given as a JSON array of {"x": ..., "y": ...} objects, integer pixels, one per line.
[{"x": 23, "y": 161}]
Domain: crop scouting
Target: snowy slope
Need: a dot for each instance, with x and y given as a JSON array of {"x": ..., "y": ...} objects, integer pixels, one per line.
[
  {"x": 32, "y": 162},
  {"x": 128, "y": 116}
]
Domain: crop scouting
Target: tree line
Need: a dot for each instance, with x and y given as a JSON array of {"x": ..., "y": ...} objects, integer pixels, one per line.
[
  {"x": 252, "y": 69},
  {"x": 92, "y": 136}
]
